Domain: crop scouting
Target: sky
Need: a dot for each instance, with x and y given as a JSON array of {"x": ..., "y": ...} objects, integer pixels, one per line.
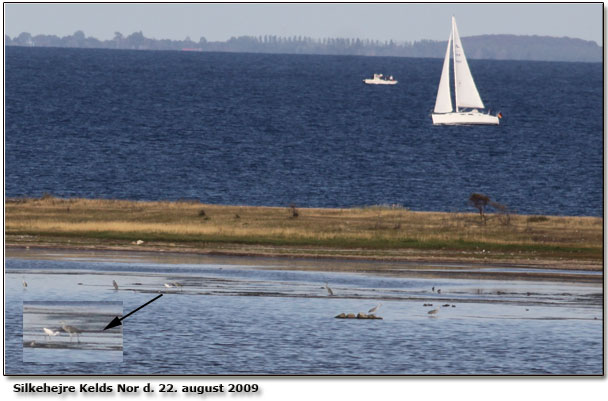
[{"x": 389, "y": 21}]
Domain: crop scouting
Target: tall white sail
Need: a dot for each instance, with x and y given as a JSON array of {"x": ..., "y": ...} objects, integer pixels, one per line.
[
  {"x": 465, "y": 89},
  {"x": 443, "y": 104}
]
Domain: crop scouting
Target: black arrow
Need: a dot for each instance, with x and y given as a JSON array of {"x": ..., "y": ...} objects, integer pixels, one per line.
[{"x": 117, "y": 321}]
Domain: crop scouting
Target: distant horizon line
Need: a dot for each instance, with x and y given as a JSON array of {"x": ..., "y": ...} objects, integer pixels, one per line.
[{"x": 304, "y": 37}]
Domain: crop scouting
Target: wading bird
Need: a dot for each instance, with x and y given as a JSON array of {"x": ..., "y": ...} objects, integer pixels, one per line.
[
  {"x": 49, "y": 333},
  {"x": 168, "y": 285},
  {"x": 71, "y": 330},
  {"x": 329, "y": 291},
  {"x": 115, "y": 284},
  {"x": 24, "y": 283},
  {"x": 375, "y": 308}
]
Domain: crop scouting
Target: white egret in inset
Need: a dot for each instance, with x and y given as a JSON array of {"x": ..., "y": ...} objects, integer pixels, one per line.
[
  {"x": 329, "y": 291},
  {"x": 168, "y": 285},
  {"x": 71, "y": 330},
  {"x": 49, "y": 333},
  {"x": 375, "y": 308},
  {"x": 115, "y": 284}
]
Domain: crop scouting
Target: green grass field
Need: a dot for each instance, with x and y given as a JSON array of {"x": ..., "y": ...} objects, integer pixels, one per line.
[{"x": 375, "y": 232}]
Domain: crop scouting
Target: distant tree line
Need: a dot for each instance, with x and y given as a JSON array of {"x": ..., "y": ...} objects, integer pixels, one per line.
[{"x": 501, "y": 47}]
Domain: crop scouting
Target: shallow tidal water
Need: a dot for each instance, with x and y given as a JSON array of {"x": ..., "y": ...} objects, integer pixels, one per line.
[{"x": 241, "y": 316}]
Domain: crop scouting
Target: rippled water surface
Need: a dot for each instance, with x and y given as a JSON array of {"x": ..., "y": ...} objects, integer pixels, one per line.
[
  {"x": 258, "y": 129},
  {"x": 219, "y": 316}
]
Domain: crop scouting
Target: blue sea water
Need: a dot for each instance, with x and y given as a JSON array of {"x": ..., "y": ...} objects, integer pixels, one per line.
[{"x": 259, "y": 129}]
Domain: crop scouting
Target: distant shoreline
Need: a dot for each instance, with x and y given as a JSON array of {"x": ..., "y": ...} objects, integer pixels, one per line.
[
  {"x": 382, "y": 234},
  {"x": 483, "y": 47}
]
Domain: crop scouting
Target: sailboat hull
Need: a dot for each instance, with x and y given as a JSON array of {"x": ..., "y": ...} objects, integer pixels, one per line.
[{"x": 464, "y": 118}]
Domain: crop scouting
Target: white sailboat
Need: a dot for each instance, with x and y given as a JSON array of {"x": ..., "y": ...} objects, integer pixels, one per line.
[{"x": 468, "y": 102}]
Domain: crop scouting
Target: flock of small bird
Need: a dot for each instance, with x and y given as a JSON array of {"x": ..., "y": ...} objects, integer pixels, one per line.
[
  {"x": 432, "y": 312},
  {"x": 74, "y": 331}
]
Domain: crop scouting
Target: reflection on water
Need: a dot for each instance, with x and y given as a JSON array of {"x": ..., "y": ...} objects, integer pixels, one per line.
[
  {"x": 231, "y": 318},
  {"x": 51, "y": 328}
]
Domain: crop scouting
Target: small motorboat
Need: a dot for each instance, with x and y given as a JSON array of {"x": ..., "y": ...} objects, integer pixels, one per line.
[{"x": 379, "y": 79}]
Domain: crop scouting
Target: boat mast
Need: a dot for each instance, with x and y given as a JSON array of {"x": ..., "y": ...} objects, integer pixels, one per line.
[{"x": 454, "y": 54}]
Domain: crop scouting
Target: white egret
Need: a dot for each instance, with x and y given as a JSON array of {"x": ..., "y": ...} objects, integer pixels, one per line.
[
  {"x": 49, "y": 333},
  {"x": 24, "y": 283},
  {"x": 71, "y": 330},
  {"x": 115, "y": 284},
  {"x": 168, "y": 285},
  {"x": 329, "y": 291}
]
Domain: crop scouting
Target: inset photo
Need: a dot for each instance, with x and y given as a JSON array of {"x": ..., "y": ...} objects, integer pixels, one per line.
[{"x": 71, "y": 331}]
